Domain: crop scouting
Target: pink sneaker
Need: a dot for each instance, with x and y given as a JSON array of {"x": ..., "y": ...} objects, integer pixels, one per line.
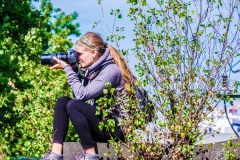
[
  {"x": 86, "y": 156},
  {"x": 52, "y": 156}
]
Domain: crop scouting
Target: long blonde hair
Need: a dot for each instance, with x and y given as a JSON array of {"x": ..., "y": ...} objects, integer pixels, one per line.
[{"x": 98, "y": 42}]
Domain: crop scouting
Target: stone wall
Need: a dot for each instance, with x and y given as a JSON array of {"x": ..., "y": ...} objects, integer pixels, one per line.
[
  {"x": 215, "y": 152},
  {"x": 207, "y": 152},
  {"x": 70, "y": 149}
]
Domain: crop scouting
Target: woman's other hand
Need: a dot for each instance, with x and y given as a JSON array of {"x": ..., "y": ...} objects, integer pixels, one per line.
[
  {"x": 74, "y": 66},
  {"x": 59, "y": 65}
]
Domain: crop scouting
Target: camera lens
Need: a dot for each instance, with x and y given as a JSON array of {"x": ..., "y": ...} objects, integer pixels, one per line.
[
  {"x": 48, "y": 58},
  {"x": 63, "y": 57}
]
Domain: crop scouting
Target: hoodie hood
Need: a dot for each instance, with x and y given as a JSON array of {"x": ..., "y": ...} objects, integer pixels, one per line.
[{"x": 105, "y": 58}]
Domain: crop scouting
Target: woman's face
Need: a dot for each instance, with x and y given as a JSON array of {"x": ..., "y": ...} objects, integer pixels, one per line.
[{"x": 85, "y": 58}]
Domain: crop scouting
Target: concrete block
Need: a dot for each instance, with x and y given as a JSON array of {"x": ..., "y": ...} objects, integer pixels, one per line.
[
  {"x": 215, "y": 152},
  {"x": 70, "y": 149}
]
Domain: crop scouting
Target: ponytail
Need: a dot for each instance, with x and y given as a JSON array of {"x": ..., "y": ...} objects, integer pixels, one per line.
[{"x": 126, "y": 73}]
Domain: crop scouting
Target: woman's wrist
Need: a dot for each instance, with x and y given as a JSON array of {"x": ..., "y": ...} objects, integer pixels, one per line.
[{"x": 65, "y": 66}]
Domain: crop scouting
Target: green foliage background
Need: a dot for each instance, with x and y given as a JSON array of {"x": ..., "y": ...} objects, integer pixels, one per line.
[{"x": 29, "y": 90}]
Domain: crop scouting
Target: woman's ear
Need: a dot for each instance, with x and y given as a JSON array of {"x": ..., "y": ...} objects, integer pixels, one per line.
[{"x": 94, "y": 53}]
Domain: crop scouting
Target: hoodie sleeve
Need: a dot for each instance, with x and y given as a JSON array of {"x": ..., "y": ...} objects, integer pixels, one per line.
[{"x": 110, "y": 73}]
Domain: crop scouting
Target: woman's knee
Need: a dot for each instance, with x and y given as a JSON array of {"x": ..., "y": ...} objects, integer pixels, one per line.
[
  {"x": 63, "y": 100},
  {"x": 73, "y": 105}
]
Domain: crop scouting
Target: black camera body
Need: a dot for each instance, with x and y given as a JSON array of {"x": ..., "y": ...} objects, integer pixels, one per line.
[{"x": 70, "y": 57}]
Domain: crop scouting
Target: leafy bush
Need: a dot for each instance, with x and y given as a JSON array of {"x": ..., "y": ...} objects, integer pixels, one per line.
[
  {"x": 28, "y": 89},
  {"x": 182, "y": 48}
]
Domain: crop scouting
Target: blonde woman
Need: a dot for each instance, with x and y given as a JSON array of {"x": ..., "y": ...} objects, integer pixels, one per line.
[{"x": 101, "y": 63}]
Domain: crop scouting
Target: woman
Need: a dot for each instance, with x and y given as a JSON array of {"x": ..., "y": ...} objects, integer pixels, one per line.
[{"x": 101, "y": 63}]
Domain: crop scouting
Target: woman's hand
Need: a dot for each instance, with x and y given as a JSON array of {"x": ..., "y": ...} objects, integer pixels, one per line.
[{"x": 59, "y": 65}]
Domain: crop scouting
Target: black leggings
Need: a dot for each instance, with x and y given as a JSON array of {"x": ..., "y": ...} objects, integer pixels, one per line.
[{"x": 84, "y": 119}]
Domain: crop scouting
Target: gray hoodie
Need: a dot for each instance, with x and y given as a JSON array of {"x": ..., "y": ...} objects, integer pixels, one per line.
[{"x": 93, "y": 89}]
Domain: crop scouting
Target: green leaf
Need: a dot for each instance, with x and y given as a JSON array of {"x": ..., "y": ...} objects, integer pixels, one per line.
[
  {"x": 120, "y": 16},
  {"x": 105, "y": 91},
  {"x": 101, "y": 125}
]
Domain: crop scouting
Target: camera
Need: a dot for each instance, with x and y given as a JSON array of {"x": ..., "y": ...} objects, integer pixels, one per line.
[{"x": 70, "y": 57}]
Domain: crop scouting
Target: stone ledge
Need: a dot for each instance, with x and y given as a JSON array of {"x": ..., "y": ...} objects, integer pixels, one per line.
[
  {"x": 214, "y": 152},
  {"x": 70, "y": 149}
]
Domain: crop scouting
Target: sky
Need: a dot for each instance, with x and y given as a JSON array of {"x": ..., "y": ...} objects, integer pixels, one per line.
[{"x": 90, "y": 11}]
